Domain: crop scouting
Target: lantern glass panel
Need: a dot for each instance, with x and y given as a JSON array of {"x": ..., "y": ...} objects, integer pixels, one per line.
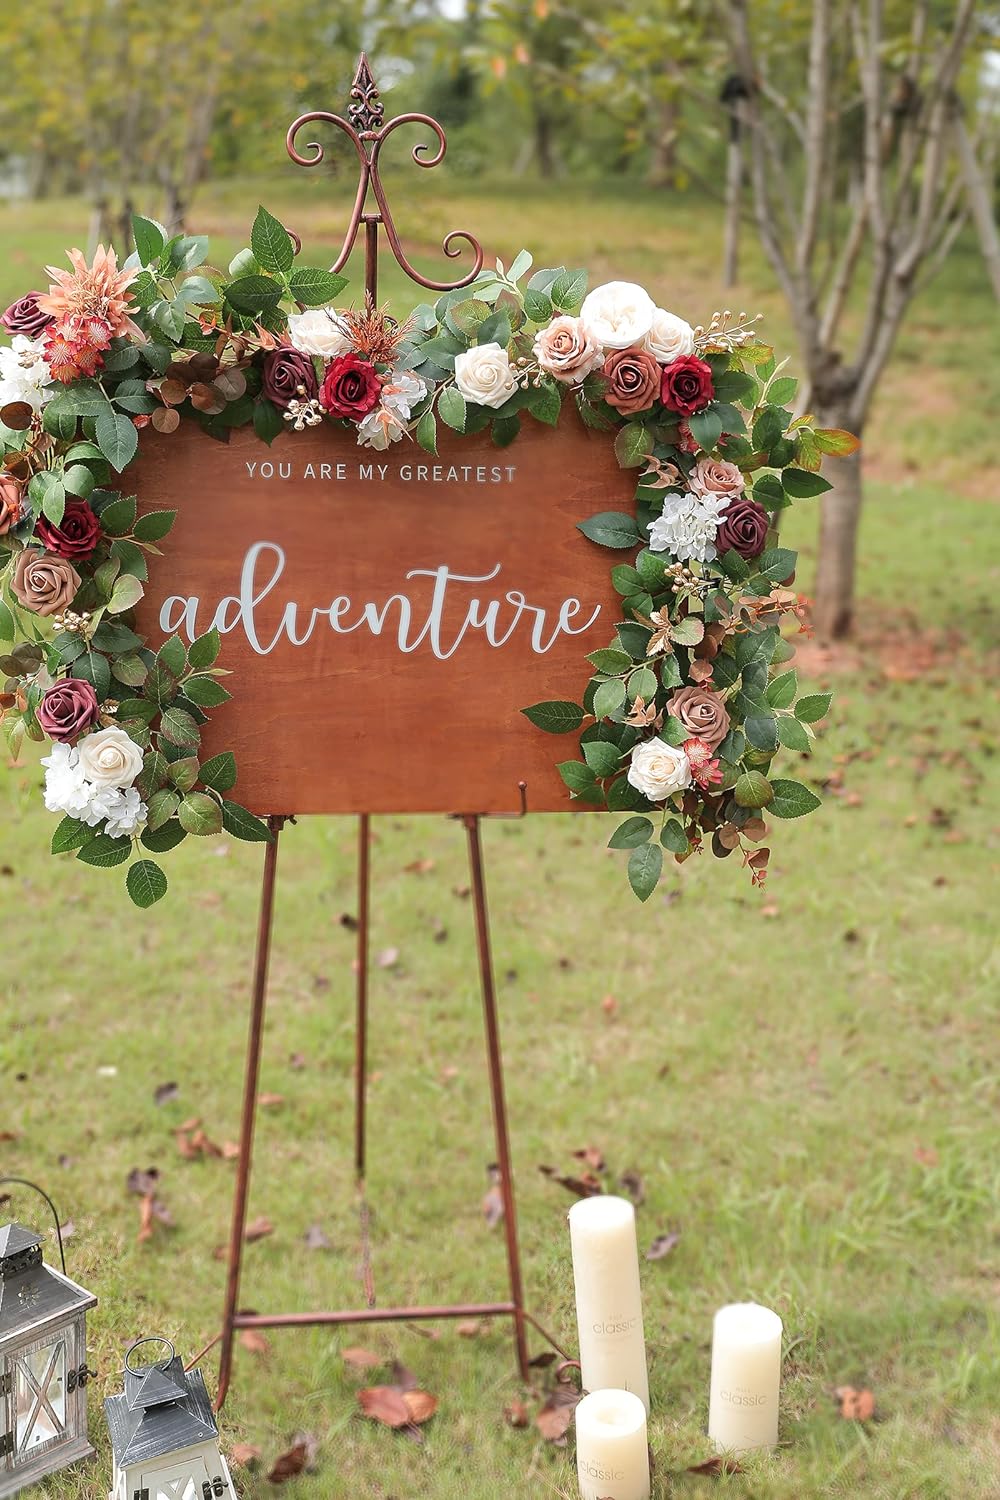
[
  {"x": 178, "y": 1484},
  {"x": 40, "y": 1396}
]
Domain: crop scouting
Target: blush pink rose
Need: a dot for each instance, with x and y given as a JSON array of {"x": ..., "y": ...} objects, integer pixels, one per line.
[
  {"x": 567, "y": 350},
  {"x": 715, "y": 476}
]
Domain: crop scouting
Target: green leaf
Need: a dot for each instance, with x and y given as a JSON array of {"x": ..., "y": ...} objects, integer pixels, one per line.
[
  {"x": 604, "y": 759},
  {"x": 645, "y": 865},
  {"x": 146, "y": 883},
  {"x": 568, "y": 290},
  {"x": 71, "y": 833},
  {"x": 495, "y": 329},
  {"x": 173, "y": 656},
  {"x": 271, "y": 243},
  {"x": 556, "y": 716},
  {"x": 313, "y": 287},
  {"x": 219, "y": 773},
  {"x": 610, "y": 659},
  {"x": 267, "y": 421},
  {"x": 131, "y": 670},
  {"x": 8, "y": 630},
  {"x": 545, "y": 403},
  {"x": 206, "y": 692},
  {"x": 504, "y": 430},
  {"x": 577, "y": 776},
  {"x": 802, "y": 485},
  {"x": 792, "y": 734},
  {"x": 243, "y": 825},
  {"x": 706, "y": 427},
  {"x": 673, "y": 837},
  {"x": 95, "y": 669},
  {"x": 753, "y": 790},
  {"x": 642, "y": 684},
  {"x": 782, "y": 390},
  {"x": 611, "y": 528},
  {"x": 609, "y": 698},
  {"x": 632, "y": 445},
  {"x": 117, "y": 438},
  {"x": 253, "y": 294},
  {"x": 777, "y": 563},
  {"x": 118, "y": 518},
  {"x": 105, "y": 852},
  {"x": 631, "y": 834},
  {"x": 126, "y": 594},
  {"x": 149, "y": 237},
  {"x": 813, "y": 707},
  {"x": 162, "y": 840},
  {"x": 178, "y": 728},
  {"x": 427, "y": 431},
  {"x": 537, "y": 306},
  {"x": 184, "y": 772},
  {"x": 154, "y": 526},
  {"x": 451, "y": 408},
  {"x": 200, "y": 814},
  {"x": 761, "y": 731},
  {"x": 781, "y": 690},
  {"x": 674, "y": 732},
  {"x": 204, "y": 650},
  {"x": 689, "y": 631},
  {"x": 791, "y": 800},
  {"x": 161, "y": 807},
  {"x": 78, "y": 480}
]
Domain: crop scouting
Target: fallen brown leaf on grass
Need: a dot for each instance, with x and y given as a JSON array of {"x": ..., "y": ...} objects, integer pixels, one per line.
[
  {"x": 493, "y": 1207},
  {"x": 388, "y": 958},
  {"x": 289, "y": 1465},
  {"x": 271, "y": 1101},
  {"x": 397, "y": 1408},
  {"x": 855, "y": 1405},
  {"x": 421, "y": 1405},
  {"x": 592, "y": 1155},
  {"x": 361, "y": 1359},
  {"x": 254, "y": 1341},
  {"x": 587, "y": 1186},
  {"x": 166, "y": 1093},
  {"x": 633, "y": 1185},
  {"x": 258, "y": 1229},
  {"x": 316, "y": 1238},
  {"x": 926, "y": 1156},
  {"x": 230, "y": 1150},
  {"x": 515, "y": 1414},
  {"x": 663, "y": 1244},
  {"x": 554, "y": 1419},
  {"x": 8, "y": 1135},
  {"x": 609, "y": 1005},
  {"x": 245, "y": 1455},
  {"x": 469, "y": 1328},
  {"x": 152, "y": 1209},
  {"x": 419, "y": 867},
  {"x": 720, "y": 1464}
]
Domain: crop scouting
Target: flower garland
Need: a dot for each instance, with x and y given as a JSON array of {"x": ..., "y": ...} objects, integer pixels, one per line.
[{"x": 682, "y": 716}]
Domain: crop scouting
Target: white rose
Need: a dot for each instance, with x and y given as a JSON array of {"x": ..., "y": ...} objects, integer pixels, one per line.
[
  {"x": 619, "y": 314},
  {"x": 24, "y": 374},
  {"x": 109, "y": 758},
  {"x": 658, "y": 769},
  {"x": 669, "y": 337},
  {"x": 484, "y": 376},
  {"x": 319, "y": 330}
]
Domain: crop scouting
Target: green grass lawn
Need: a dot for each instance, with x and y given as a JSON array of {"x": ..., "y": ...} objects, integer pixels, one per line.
[{"x": 805, "y": 1079}]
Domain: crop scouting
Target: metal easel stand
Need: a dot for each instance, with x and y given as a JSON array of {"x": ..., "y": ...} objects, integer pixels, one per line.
[{"x": 367, "y": 132}]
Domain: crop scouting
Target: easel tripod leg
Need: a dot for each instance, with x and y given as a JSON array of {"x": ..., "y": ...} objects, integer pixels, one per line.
[
  {"x": 361, "y": 1001},
  {"x": 497, "y": 1091},
  {"x": 250, "y": 1085}
]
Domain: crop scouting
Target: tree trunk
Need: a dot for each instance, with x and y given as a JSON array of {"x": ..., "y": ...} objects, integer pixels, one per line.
[
  {"x": 544, "y": 153},
  {"x": 838, "y": 542},
  {"x": 663, "y": 165},
  {"x": 979, "y": 192},
  {"x": 734, "y": 204}
]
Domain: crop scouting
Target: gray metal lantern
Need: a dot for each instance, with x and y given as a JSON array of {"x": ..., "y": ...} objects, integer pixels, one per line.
[
  {"x": 43, "y": 1360},
  {"x": 163, "y": 1432}
]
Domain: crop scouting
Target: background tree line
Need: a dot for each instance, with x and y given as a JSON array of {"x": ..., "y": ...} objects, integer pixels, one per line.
[{"x": 854, "y": 138}]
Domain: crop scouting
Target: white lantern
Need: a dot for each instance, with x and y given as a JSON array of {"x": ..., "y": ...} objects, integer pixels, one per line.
[
  {"x": 163, "y": 1432},
  {"x": 43, "y": 1361}
]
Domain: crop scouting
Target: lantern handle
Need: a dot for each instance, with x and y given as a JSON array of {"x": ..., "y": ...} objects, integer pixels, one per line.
[
  {"x": 154, "y": 1338},
  {"x": 23, "y": 1182}
]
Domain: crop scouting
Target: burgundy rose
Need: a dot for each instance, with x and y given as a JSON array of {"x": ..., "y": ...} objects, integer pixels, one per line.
[
  {"x": 743, "y": 529},
  {"x": 351, "y": 387},
  {"x": 25, "y": 316},
  {"x": 68, "y": 709},
  {"x": 633, "y": 378},
  {"x": 288, "y": 376},
  {"x": 77, "y": 534},
  {"x": 687, "y": 385}
]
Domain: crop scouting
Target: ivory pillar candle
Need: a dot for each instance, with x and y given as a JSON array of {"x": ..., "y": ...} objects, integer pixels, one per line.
[
  {"x": 612, "y": 1456},
  {"x": 608, "y": 1299},
  {"x": 746, "y": 1375}
]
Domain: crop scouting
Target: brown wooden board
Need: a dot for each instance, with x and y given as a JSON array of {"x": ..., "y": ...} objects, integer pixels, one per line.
[{"x": 374, "y": 711}]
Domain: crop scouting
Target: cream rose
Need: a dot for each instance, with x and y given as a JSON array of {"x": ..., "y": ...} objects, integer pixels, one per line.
[
  {"x": 320, "y": 331},
  {"x": 567, "y": 349},
  {"x": 484, "y": 375},
  {"x": 669, "y": 337},
  {"x": 658, "y": 770},
  {"x": 716, "y": 476},
  {"x": 109, "y": 758},
  {"x": 619, "y": 314}
]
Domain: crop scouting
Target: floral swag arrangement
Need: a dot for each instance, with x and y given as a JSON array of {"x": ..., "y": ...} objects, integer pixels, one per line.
[{"x": 682, "y": 715}]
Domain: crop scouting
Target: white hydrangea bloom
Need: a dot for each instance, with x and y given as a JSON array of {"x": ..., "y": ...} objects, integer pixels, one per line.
[
  {"x": 402, "y": 392},
  {"x": 24, "y": 374},
  {"x": 124, "y": 810},
  {"x": 688, "y": 525},
  {"x": 68, "y": 791},
  {"x": 380, "y": 428}
]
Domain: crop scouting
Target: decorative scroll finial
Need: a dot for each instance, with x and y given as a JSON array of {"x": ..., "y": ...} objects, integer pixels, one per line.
[
  {"x": 367, "y": 131},
  {"x": 366, "y": 110}
]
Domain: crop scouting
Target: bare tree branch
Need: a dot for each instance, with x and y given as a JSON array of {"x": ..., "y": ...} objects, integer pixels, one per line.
[{"x": 815, "y": 142}]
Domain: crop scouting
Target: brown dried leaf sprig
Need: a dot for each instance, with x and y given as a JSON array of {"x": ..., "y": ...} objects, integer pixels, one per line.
[{"x": 374, "y": 334}]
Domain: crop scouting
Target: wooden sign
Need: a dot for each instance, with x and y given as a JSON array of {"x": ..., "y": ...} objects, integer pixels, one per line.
[{"x": 386, "y": 616}]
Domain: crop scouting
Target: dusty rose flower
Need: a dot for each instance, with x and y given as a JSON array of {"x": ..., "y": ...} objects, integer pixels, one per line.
[
  {"x": 25, "y": 316},
  {"x": 288, "y": 375},
  {"x": 567, "y": 350},
  {"x": 633, "y": 378},
  {"x": 716, "y": 476},
  {"x": 701, "y": 712},
  {"x": 69, "y": 708},
  {"x": 45, "y": 585},
  {"x": 10, "y": 503},
  {"x": 99, "y": 291},
  {"x": 743, "y": 529},
  {"x": 77, "y": 534}
]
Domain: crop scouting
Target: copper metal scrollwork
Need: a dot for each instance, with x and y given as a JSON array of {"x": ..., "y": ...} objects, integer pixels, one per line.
[{"x": 368, "y": 133}]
